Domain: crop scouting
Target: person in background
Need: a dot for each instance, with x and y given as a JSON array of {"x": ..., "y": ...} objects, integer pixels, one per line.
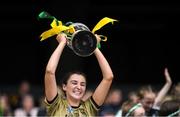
[
  {"x": 175, "y": 92},
  {"x": 23, "y": 89},
  {"x": 28, "y": 109},
  {"x": 133, "y": 96},
  {"x": 5, "y": 109},
  {"x": 131, "y": 109},
  {"x": 170, "y": 108},
  {"x": 148, "y": 98},
  {"x": 112, "y": 102}
]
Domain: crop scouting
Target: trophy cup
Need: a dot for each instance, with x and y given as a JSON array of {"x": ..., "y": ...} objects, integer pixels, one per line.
[
  {"x": 83, "y": 42},
  {"x": 79, "y": 37}
]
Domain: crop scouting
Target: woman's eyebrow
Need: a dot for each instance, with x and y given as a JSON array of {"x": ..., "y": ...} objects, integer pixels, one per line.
[
  {"x": 76, "y": 81},
  {"x": 73, "y": 81}
]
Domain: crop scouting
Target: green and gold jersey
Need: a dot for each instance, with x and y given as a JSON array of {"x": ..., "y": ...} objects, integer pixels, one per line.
[{"x": 59, "y": 107}]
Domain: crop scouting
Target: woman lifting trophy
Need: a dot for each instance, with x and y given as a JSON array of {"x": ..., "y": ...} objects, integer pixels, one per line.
[{"x": 67, "y": 99}]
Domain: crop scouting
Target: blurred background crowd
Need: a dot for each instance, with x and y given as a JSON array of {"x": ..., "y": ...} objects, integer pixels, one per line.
[{"x": 23, "y": 101}]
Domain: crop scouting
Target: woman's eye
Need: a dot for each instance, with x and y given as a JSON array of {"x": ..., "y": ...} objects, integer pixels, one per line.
[
  {"x": 83, "y": 84},
  {"x": 74, "y": 83}
]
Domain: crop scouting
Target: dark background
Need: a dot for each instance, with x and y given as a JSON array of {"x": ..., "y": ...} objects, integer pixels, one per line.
[{"x": 140, "y": 45}]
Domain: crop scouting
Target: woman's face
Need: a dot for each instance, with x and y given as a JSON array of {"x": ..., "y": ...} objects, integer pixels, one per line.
[
  {"x": 139, "y": 112},
  {"x": 148, "y": 101},
  {"x": 76, "y": 86}
]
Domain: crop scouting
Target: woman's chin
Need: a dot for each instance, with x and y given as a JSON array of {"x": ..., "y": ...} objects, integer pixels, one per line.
[{"x": 77, "y": 97}]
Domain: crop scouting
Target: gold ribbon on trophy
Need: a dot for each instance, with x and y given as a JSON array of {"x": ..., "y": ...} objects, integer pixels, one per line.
[
  {"x": 58, "y": 27},
  {"x": 81, "y": 40}
]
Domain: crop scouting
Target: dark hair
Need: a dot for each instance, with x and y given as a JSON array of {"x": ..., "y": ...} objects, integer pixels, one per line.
[
  {"x": 69, "y": 74},
  {"x": 169, "y": 107}
]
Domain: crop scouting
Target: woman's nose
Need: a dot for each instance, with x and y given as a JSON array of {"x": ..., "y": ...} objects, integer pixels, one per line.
[{"x": 79, "y": 86}]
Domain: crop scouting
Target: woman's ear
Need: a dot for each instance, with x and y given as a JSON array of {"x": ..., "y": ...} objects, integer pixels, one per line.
[{"x": 64, "y": 87}]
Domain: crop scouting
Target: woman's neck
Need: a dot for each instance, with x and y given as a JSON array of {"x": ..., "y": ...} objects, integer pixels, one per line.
[{"x": 73, "y": 103}]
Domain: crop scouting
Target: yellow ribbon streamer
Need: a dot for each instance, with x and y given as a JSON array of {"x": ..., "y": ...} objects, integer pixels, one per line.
[
  {"x": 102, "y": 22},
  {"x": 57, "y": 27}
]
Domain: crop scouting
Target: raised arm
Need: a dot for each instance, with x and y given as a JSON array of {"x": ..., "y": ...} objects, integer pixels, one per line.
[
  {"x": 50, "y": 79},
  {"x": 162, "y": 93},
  {"x": 103, "y": 88}
]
